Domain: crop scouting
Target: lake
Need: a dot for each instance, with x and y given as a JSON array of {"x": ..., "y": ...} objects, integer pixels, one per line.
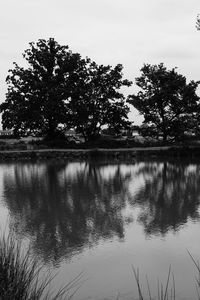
[{"x": 102, "y": 218}]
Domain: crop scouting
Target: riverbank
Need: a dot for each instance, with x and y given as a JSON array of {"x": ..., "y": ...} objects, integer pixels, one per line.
[{"x": 119, "y": 153}]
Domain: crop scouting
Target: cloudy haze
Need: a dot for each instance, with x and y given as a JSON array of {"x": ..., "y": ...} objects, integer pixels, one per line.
[{"x": 131, "y": 32}]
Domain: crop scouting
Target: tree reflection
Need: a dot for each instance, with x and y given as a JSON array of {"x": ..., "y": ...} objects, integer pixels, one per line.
[
  {"x": 169, "y": 197},
  {"x": 64, "y": 208}
]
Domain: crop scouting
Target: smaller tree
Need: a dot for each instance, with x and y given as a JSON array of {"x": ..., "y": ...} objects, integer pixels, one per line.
[
  {"x": 98, "y": 101},
  {"x": 166, "y": 101}
]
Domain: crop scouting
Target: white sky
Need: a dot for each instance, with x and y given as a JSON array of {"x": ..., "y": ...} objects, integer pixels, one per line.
[{"x": 131, "y": 32}]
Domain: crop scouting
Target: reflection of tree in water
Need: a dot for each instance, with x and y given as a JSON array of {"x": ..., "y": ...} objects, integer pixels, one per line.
[
  {"x": 66, "y": 207},
  {"x": 170, "y": 195},
  {"x": 63, "y": 208}
]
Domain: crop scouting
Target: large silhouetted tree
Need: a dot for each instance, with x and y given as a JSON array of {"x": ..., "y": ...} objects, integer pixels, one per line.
[
  {"x": 98, "y": 100},
  {"x": 58, "y": 89},
  {"x": 37, "y": 95},
  {"x": 169, "y": 104}
]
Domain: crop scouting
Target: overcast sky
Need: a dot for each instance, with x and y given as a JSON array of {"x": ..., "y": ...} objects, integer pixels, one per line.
[{"x": 130, "y": 32}]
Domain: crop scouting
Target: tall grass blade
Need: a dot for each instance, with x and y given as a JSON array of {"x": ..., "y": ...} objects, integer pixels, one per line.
[
  {"x": 197, "y": 290},
  {"x": 136, "y": 274},
  {"x": 194, "y": 261},
  {"x": 149, "y": 291},
  {"x": 158, "y": 286},
  {"x": 166, "y": 289},
  {"x": 174, "y": 287},
  {"x": 20, "y": 275}
]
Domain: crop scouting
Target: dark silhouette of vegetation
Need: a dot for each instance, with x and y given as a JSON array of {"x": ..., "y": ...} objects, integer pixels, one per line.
[
  {"x": 59, "y": 89},
  {"x": 97, "y": 101},
  {"x": 169, "y": 104},
  {"x": 37, "y": 95}
]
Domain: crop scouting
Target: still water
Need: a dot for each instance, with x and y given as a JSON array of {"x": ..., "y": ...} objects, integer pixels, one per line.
[{"x": 103, "y": 218}]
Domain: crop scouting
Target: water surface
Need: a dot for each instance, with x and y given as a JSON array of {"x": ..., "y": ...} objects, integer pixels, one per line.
[{"x": 104, "y": 217}]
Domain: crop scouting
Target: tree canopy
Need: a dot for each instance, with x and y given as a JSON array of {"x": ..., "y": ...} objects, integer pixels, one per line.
[
  {"x": 169, "y": 104},
  {"x": 59, "y": 89},
  {"x": 37, "y": 96},
  {"x": 97, "y": 100}
]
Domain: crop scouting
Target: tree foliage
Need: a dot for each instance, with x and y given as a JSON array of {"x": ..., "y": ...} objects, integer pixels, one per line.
[
  {"x": 37, "y": 96},
  {"x": 169, "y": 104},
  {"x": 59, "y": 89},
  {"x": 98, "y": 100}
]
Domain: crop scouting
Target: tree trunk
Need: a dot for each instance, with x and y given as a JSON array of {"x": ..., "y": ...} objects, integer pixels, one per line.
[
  {"x": 51, "y": 130},
  {"x": 164, "y": 136}
]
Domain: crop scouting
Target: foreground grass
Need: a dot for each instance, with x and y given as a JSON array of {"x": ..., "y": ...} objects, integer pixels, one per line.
[
  {"x": 166, "y": 291},
  {"x": 19, "y": 276}
]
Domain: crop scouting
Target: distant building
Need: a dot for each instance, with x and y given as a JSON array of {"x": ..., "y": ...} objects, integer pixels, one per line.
[
  {"x": 7, "y": 132},
  {"x": 131, "y": 132},
  {"x": 73, "y": 136},
  {"x": 71, "y": 133},
  {"x": 135, "y": 132}
]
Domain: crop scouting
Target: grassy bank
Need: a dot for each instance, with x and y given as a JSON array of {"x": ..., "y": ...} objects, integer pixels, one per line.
[
  {"x": 106, "y": 147},
  {"x": 102, "y": 142},
  {"x": 127, "y": 154}
]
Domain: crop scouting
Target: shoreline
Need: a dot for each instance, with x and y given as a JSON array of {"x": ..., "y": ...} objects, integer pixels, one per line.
[{"x": 116, "y": 153}]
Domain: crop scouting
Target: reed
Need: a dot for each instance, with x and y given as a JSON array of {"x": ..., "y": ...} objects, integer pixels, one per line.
[
  {"x": 20, "y": 276},
  {"x": 197, "y": 277},
  {"x": 165, "y": 291}
]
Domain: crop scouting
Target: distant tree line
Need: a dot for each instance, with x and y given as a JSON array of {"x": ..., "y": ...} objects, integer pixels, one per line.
[{"x": 59, "y": 90}]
